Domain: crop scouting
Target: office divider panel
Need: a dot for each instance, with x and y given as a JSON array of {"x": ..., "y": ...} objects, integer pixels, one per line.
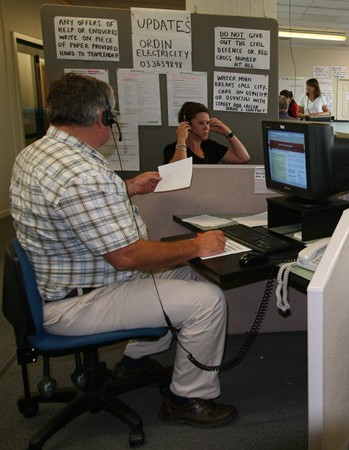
[
  {"x": 328, "y": 337},
  {"x": 152, "y": 139}
]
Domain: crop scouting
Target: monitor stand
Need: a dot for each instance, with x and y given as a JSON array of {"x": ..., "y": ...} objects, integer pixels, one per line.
[{"x": 318, "y": 219}]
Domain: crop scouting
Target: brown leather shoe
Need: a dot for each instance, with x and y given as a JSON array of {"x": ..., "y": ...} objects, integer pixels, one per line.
[{"x": 197, "y": 413}]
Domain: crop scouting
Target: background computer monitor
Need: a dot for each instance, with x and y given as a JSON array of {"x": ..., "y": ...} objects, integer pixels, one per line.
[
  {"x": 299, "y": 161},
  {"x": 321, "y": 118}
]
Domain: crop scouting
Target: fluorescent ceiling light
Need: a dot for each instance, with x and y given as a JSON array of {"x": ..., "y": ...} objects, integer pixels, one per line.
[{"x": 306, "y": 35}]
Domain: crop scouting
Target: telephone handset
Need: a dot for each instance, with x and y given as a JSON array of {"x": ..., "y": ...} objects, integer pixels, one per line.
[{"x": 310, "y": 257}]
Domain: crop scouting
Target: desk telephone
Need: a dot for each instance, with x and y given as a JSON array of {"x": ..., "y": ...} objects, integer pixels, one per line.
[{"x": 310, "y": 257}]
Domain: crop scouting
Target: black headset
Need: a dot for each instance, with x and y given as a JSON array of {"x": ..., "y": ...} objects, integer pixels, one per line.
[{"x": 108, "y": 116}]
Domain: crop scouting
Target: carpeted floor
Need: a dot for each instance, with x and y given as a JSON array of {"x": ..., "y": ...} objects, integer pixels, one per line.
[{"x": 269, "y": 389}]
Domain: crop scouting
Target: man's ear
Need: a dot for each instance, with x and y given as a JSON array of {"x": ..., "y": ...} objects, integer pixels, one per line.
[{"x": 100, "y": 121}]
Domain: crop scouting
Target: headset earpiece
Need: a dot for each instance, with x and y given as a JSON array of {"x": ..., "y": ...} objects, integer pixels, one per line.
[{"x": 108, "y": 118}]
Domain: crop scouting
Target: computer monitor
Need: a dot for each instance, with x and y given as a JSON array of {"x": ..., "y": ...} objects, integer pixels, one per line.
[
  {"x": 304, "y": 159},
  {"x": 321, "y": 118}
]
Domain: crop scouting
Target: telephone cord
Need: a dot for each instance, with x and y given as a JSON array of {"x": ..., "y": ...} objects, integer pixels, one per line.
[
  {"x": 282, "y": 285},
  {"x": 251, "y": 335}
]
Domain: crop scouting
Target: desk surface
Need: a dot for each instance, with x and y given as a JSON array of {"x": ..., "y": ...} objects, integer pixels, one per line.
[{"x": 227, "y": 272}]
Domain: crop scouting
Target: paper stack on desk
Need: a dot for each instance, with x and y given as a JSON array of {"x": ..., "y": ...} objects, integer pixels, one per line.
[{"x": 207, "y": 221}]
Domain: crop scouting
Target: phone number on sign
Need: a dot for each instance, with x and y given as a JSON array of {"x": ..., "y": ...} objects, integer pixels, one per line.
[{"x": 161, "y": 64}]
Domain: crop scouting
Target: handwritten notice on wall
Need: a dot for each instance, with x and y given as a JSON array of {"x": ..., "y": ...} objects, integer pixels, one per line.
[
  {"x": 240, "y": 92},
  {"x": 339, "y": 72},
  {"x": 241, "y": 48},
  {"x": 161, "y": 39},
  {"x": 86, "y": 38},
  {"x": 321, "y": 72},
  {"x": 326, "y": 87}
]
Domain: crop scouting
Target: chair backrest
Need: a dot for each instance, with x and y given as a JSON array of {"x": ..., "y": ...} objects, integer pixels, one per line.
[{"x": 22, "y": 304}]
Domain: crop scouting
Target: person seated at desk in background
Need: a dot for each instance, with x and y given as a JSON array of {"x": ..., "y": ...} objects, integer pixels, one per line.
[
  {"x": 283, "y": 106},
  {"x": 194, "y": 127},
  {"x": 95, "y": 267},
  {"x": 292, "y": 104},
  {"x": 312, "y": 103}
]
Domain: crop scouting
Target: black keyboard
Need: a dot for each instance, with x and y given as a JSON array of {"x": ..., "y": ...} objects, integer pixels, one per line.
[{"x": 259, "y": 239}]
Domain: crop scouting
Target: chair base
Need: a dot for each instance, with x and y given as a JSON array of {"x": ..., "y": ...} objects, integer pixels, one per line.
[
  {"x": 93, "y": 402},
  {"x": 99, "y": 394},
  {"x": 28, "y": 405}
]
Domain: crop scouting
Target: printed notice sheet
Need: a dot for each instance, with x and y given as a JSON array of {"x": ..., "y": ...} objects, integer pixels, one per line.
[
  {"x": 180, "y": 87},
  {"x": 139, "y": 93},
  {"x": 123, "y": 155}
]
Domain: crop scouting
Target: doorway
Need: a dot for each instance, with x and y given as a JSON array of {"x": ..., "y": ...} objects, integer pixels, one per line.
[{"x": 33, "y": 88}]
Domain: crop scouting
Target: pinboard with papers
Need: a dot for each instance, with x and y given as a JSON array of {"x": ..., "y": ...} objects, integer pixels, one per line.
[{"x": 229, "y": 63}]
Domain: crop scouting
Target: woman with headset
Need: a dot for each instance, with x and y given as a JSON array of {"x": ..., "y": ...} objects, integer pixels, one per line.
[
  {"x": 312, "y": 103},
  {"x": 193, "y": 130}
]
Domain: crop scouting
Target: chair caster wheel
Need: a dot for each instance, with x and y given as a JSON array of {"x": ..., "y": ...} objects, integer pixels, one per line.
[
  {"x": 28, "y": 408},
  {"x": 136, "y": 438}
]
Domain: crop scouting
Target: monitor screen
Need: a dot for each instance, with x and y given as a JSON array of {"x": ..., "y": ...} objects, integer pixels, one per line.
[{"x": 297, "y": 157}]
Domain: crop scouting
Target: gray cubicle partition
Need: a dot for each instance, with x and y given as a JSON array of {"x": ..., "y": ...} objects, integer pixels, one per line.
[
  {"x": 223, "y": 189},
  {"x": 152, "y": 139}
]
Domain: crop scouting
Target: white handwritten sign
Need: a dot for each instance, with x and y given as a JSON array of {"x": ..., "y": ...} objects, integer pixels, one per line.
[
  {"x": 240, "y": 92},
  {"x": 321, "y": 72},
  {"x": 241, "y": 48},
  {"x": 339, "y": 72},
  {"x": 86, "y": 38},
  {"x": 161, "y": 39}
]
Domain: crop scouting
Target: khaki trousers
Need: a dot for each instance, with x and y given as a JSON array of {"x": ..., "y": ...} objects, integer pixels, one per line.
[{"x": 196, "y": 308}]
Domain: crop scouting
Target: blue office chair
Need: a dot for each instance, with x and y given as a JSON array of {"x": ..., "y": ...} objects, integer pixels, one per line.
[{"x": 22, "y": 307}]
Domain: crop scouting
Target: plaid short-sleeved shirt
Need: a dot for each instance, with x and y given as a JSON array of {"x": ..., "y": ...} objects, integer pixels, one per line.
[{"x": 70, "y": 209}]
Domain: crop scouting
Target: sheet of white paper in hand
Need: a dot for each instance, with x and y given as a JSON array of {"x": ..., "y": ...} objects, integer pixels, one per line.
[{"x": 176, "y": 175}]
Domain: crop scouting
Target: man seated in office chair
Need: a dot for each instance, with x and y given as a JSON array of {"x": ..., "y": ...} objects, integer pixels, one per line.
[
  {"x": 95, "y": 267},
  {"x": 283, "y": 106}
]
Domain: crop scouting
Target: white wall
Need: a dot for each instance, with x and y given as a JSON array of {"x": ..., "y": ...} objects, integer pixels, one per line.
[
  {"x": 306, "y": 57},
  {"x": 299, "y": 61},
  {"x": 21, "y": 17}
]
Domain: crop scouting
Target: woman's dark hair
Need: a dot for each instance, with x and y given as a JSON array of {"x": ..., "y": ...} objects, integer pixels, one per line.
[
  {"x": 77, "y": 100},
  {"x": 286, "y": 93},
  {"x": 313, "y": 82},
  {"x": 189, "y": 110}
]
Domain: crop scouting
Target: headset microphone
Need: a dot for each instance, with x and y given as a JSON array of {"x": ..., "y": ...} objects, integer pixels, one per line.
[{"x": 191, "y": 131}]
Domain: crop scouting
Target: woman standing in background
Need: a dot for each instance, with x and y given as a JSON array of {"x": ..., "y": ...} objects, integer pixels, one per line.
[
  {"x": 292, "y": 104},
  {"x": 313, "y": 103}
]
